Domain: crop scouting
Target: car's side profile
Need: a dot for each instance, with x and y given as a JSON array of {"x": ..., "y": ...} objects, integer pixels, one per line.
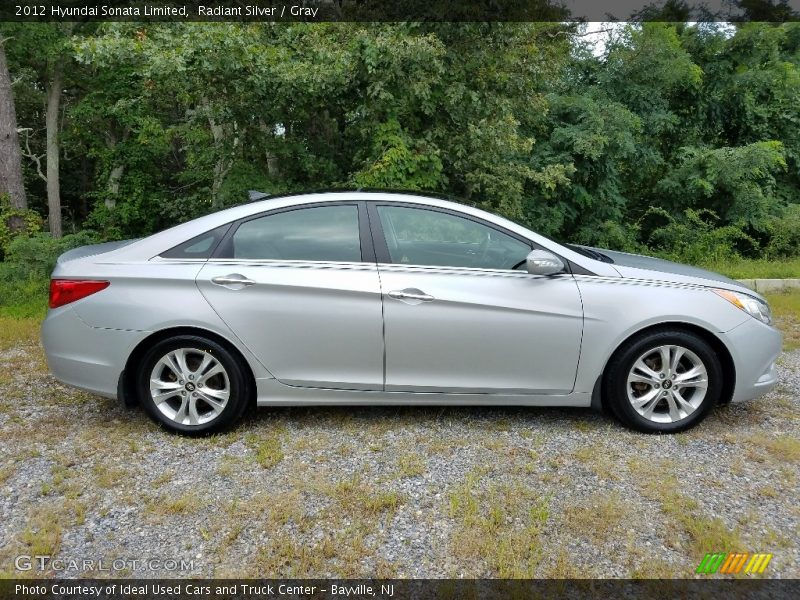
[{"x": 385, "y": 298}]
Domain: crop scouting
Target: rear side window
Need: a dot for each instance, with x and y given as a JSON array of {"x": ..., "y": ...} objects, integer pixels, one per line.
[
  {"x": 324, "y": 233},
  {"x": 201, "y": 246}
]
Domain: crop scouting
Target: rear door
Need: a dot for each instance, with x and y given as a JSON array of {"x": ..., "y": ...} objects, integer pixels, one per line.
[
  {"x": 462, "y": 315},
  {"x": 299, "y": 287}
]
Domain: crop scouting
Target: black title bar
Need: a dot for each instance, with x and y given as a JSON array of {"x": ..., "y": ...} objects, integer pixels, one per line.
[
  {"x": 399, "y": 10},
  {"x": 398, "y": 589}
]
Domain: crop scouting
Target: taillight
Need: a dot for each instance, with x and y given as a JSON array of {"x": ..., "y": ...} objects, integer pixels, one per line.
[{"x": 64, "y": 291}]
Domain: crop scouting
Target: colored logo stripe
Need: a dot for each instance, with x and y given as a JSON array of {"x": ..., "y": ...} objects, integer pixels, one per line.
[
  {"x": 711, "y": 563},
  {"x": 758, "y": 563},
  {"x": 732, "y": 563}
]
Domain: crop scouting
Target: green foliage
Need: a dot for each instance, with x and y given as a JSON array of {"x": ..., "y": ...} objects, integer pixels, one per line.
[
  {"x": 36, "y": 255},
  {"x": 695, "y": 238},
  {"x": 15, "y": 222},
  {"x": 784, "y": 235},
  {"x": 592, "y": 140},
  {"x": 735, "y": 183},
  {"x": 164, "y": 122},
  {"x": 142, "y": 213},
  {"x": 25, "y": 272},
  {"x": 612, "y": 235},
  {"x": 21, "y": 298},
  {"x": 392, "y": 164}
]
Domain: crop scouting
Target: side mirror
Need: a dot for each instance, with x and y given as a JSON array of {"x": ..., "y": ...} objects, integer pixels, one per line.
[{"x": 542, "y": 262}]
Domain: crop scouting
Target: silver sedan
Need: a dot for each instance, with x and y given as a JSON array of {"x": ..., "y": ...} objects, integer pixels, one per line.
[{"x": 379, "y": 298}]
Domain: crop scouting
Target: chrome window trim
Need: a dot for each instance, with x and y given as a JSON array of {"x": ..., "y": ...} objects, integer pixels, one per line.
[
  {"x": 303, "y": 264},
  {"x": 402, "y": 268}
]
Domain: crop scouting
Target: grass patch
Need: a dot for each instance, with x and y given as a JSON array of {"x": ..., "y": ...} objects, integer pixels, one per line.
[
  {"x": 704, "y": 534},
  {"x": 336, "y": 541},
  {"x": 268, "y": 450},
  {"x": 229, "y": 466},
  {"x": 602, "y": 461},
  {"x": 410, "y": 465},
  {"x": 22, "y": 298},
  {"x": 786, "y": 304},
  {"x": 382, "y": 501},
  {"x": 277, "y": 509},
  {"x": 6, "y": 471},
  {"x": 184, "y": 504},
  {"x": 745, "y": 268},
  {"x": 17, "y": 330},
  {"x": 63, "y": 482},
  {"x": 786, "y": 311},
  {"x": 287, "y": 557},
  {"x": 651, "y": 567},
  {"x": 108, "y": 477},
  {"x": 165, "y": 477},
  {"x": 498, "y": 527},
  {"x": 42, "y": 535},
  {"x": 599, "y": 517},
  {"x": 784, "y": 448},
  {"x": 357, "y": 497},
  {"x": 767, "y": 491},
  {"x": 36, "y": 311}
]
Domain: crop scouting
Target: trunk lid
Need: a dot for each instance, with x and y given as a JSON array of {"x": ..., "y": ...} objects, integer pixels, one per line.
[{"x": 92, "y": 250}]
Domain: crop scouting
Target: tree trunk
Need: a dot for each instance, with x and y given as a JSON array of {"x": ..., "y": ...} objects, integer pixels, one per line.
[
  {"x": 113, "y": 186},
  {"x": 53, "y": 152},
  {"x": 118, "y": 170},
  {"x": 11, "y": 181},
  {"x": 220, "y": 168},
  {"x": 225, "y": 158},
  {"x": 272, "y": 159},
  {"x": 84, "y": 205}
]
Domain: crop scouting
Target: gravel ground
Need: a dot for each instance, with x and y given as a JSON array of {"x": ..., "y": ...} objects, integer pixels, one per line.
[{"x": 389, "y": 492}]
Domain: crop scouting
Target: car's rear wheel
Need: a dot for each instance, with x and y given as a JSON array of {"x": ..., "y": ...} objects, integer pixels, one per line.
[
  {"x": 192, "y": 384},
  {"x": 663, "y": 381}
]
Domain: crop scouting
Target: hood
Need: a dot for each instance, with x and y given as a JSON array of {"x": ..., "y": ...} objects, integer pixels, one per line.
[
  {"x": 92, "y": 250},
  {"x": 646, "y": 267}
]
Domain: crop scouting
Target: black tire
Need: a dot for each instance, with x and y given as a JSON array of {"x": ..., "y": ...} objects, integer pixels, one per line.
[
  {"x": 238, "y": 384},
  {"x": 615, "y": 380}
]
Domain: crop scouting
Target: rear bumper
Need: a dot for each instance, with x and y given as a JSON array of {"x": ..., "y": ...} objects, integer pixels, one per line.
[
  {"x": 88, "y": 358},
  {"x": 754, "y": 347}
]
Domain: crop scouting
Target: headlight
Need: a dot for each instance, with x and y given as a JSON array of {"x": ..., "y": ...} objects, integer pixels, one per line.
[{"x": 752, "y": 306}]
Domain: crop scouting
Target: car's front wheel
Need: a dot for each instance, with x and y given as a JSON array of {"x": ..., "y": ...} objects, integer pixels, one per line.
[
  {"x": 192, "y": 384},
  {"x": 663, "y": 381}
]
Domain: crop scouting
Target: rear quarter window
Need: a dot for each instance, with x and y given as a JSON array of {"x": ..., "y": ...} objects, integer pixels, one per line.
[{"x": 200, "y": 246}]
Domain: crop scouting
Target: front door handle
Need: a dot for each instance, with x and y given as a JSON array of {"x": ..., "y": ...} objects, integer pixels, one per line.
[
  {"x": 234, "y": 281},
  {"x": 411, "y": 294}
]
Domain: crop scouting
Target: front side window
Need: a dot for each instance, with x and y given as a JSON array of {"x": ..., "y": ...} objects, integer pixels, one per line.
[
  {"x": 325, "y": 233},
  {"x": 417, "y": 236}
]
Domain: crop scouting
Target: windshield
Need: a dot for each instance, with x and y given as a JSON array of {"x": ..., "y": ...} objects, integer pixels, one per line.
[{"x": 582, "y": 250}]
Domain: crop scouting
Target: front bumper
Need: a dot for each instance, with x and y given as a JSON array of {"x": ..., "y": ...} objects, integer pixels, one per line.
[
  {"x": 85, "y": 357},
  {"x": 754, "y": 348}
]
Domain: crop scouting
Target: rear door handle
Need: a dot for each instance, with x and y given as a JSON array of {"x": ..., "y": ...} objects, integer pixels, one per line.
[
  {"x": 411, "y": 294},
  {"x": 234, "y": 281}
]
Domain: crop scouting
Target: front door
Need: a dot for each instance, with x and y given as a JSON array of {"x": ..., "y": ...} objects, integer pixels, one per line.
[{"x": 460, "y": 315}]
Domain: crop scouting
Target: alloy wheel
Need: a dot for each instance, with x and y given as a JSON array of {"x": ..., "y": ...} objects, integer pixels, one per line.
[
  {"x": 190, "y": 386},
  {"x": 667, "y": 383}
]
